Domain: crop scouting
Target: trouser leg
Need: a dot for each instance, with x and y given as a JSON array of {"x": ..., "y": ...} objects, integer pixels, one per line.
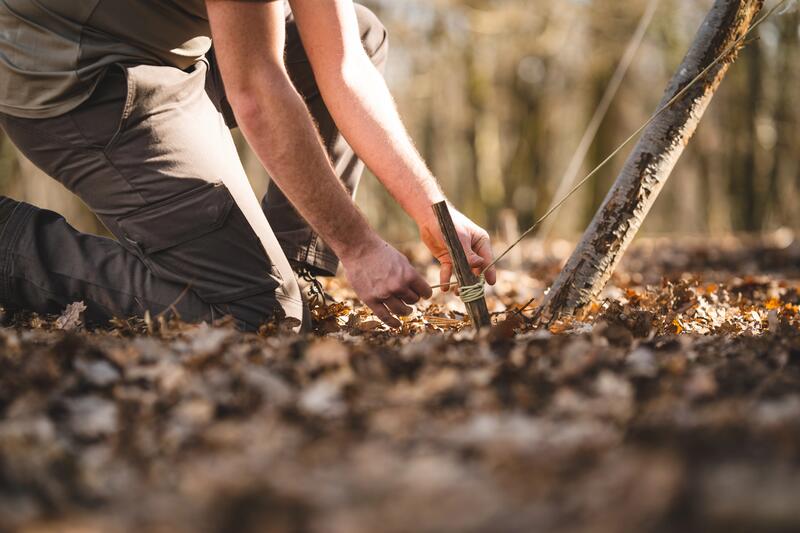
[
  {"x": 45, "y": 264},
  {"x": 148, "y": 154},
  {"x": 299, "y": 241}
]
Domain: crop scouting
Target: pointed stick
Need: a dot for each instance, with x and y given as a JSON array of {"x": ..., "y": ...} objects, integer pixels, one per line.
[{"x": 478, "y": 311}]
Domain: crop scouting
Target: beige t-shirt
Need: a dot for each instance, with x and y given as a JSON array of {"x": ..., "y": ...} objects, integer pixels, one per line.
[{"x": 54, "y": 52}]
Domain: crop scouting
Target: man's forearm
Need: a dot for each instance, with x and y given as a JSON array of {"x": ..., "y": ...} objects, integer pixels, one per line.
[
  {"x": 279, "y": 128},
  {"x": 250, "y": 40},
  {"x": 365, "y": 112}
]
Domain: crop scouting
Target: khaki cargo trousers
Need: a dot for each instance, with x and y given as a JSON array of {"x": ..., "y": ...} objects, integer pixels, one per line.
[{"x": 150, "y": 153}]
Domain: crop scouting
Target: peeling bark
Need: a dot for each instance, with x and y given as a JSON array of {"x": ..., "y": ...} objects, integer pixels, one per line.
[{"x": 651, "y": 162}]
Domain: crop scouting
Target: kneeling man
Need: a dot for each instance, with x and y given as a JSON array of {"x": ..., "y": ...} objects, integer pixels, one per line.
[{"x": 129, "y": 105}]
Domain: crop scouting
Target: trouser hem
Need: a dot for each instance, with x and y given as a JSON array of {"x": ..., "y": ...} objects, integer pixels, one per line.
[
  {"x": 322, "y": 263},
  {"x": 11, "y": 234}
]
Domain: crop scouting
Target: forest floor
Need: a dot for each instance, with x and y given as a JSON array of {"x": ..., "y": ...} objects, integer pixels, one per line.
[{"x": 674, "y": 405}]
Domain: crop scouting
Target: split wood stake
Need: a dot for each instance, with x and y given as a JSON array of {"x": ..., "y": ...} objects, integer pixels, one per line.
[{"x": 478, "y": 311}]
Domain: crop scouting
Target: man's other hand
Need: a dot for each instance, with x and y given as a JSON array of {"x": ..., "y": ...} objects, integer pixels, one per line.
[
  {"x": 385, "y": 280},
  {"x": 474, "y": 239}
]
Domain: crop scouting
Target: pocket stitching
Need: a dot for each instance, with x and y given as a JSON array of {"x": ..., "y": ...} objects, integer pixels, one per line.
[
  {"x": 200, "y": 230},
  {"x": 130, "y": 84}
]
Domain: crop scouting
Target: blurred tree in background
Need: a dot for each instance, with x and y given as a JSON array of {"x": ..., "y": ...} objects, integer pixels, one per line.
[{"x": 497, "y": 94}]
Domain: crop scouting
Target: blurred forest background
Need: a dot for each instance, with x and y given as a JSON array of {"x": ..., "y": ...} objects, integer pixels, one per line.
[{"x": 497, "y": 94}]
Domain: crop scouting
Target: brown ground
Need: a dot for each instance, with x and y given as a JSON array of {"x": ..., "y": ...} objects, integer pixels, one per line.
[{"x": 674, "y": 406}]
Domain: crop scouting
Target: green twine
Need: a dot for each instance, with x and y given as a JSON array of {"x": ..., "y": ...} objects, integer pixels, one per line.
[{"x": 473, "y": 293}]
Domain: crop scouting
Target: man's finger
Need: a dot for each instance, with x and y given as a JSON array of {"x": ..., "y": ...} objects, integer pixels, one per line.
[
  {"x": 406, "y": 295},
  {"x": 396, "y": 306},
  {"x": 384, "y": 315},
  {"x": 415, "y": 287},
  {"x": 484, "y": 249},
  {"x": 445, "y": 272},
  {"x": 421, "y": 287},
  {"x": 476, "y": 263},
  {"x": 473, "y": 259}
]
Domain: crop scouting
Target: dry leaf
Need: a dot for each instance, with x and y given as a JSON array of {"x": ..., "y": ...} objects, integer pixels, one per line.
[{"x": 71, "y": 318}]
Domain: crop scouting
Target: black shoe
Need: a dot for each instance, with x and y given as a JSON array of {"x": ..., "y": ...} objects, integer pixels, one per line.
[{"x": 307, "y": 276}]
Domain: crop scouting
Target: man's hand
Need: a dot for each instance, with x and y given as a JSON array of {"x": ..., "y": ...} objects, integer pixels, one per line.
[
  {"x": 277, "y": 125},
  {"x": 473, "y": 238},
  {"x": 365, "y": 113},
  {"x": 279, "y": 128},
  {"x": 385, "y": 281}
]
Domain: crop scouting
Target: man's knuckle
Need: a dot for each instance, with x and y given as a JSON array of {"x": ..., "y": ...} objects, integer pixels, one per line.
[{"x": 383, "y": 295}]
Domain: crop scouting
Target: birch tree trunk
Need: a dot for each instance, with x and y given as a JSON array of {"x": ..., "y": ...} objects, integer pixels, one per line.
[{"x": 646, "y": 171}]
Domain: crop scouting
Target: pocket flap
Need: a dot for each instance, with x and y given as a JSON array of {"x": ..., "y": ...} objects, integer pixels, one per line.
[{"x": 179, "y": 219}]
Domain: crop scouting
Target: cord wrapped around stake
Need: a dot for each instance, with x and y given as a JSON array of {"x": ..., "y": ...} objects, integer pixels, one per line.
[
  {"x": 472, "y": 286},
  {"x": 473, "y": 293}
]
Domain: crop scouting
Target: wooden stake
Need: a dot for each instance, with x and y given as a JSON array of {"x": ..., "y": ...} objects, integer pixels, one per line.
[{"x": 478, "y": 312}]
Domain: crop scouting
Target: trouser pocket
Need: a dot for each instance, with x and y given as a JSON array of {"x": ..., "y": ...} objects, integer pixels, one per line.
[
  {"x": 200, "y": 238},
  {"x": 102, "y": 118}
]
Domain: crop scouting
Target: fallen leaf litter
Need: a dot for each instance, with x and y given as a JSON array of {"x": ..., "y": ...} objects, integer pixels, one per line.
[{"x": 673, "y": 403}]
